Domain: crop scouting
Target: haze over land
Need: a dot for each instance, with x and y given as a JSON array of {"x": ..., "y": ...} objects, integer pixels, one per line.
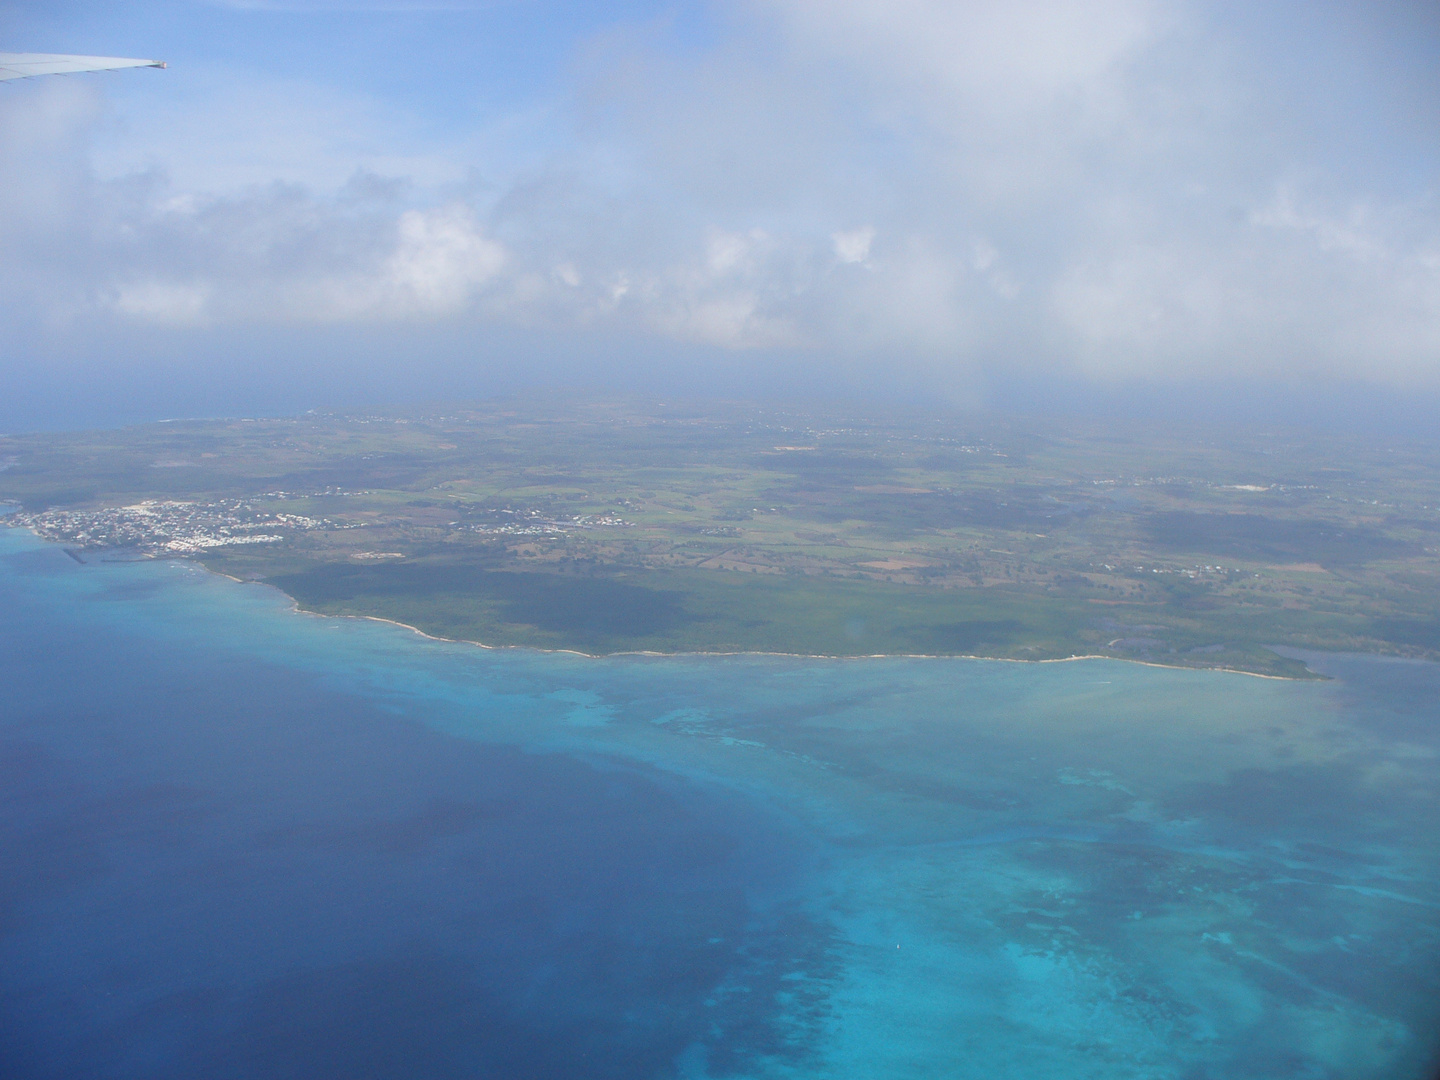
[
  {"x": 727, "y": 527},
  {"x": 1120, "y": 206}
]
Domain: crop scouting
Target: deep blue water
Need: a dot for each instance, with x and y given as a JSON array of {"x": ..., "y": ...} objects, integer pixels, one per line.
[
  {"x": 236, "y": 841},
  {"x": 218, "y": 866}
]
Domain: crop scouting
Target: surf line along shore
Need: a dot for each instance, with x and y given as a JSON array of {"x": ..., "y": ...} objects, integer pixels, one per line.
[{"x": 299, "y": 607}]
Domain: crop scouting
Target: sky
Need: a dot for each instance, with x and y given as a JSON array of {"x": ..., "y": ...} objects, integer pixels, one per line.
[{"x": 1112, "y": 206}]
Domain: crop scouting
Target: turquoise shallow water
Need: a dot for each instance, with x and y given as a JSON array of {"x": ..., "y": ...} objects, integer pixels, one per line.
[{"x": 690, "y": 866}]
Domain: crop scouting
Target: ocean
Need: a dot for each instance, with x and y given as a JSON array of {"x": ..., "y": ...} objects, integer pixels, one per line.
[{"x": 240, "y": 841}]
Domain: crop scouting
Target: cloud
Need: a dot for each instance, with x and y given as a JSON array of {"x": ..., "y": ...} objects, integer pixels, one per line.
[
  {"x": 1318, "y": 290},
  {"x": 1107, "y": 190},
  {"x": 165, "y": 303},
  {"x": 853, "y": 246},
  {"x": 441, "y": 259},
  {"x": 957, "y": 62},
  {"x": 305, "y": 264}
]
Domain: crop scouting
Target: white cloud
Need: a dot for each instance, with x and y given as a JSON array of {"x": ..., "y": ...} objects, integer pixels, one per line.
[
  {"x": 998, "y": 59},
  {"x": 853, "y": 246},
  {"x": 733, "y": 253},
  {"x": 1106, "y": 188},
  {"x": 165, "y": 303},
  {"x": 426, "y": 264},
  {"x": 731, "y": 319},
  {"x": 442, "y": 259},
  {"x": 1290, "y": 290}
]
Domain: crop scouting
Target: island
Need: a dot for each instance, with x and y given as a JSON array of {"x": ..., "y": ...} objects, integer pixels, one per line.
[{"x": 603, "y": 526}]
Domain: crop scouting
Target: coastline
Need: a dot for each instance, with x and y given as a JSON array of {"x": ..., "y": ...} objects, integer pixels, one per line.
[
  {"x": 789, "y": 655},
  {"x": 296, "y": 606}
]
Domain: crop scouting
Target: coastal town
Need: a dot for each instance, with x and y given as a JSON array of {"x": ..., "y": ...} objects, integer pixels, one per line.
[
  {"x": 177, "y": 527},
  {"x": 171, "y": 527}
]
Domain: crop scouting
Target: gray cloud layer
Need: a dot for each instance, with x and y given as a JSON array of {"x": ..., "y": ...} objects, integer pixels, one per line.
[{"x": 1105, "y": 190}]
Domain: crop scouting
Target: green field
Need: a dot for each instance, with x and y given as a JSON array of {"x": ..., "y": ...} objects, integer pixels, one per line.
[
  {"x": 618, "y": 526},
  {"x": 704, "y": 611}
]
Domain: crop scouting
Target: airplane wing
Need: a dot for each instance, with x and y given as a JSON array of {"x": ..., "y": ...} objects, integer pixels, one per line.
[{"x": 25, "y": 65}]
